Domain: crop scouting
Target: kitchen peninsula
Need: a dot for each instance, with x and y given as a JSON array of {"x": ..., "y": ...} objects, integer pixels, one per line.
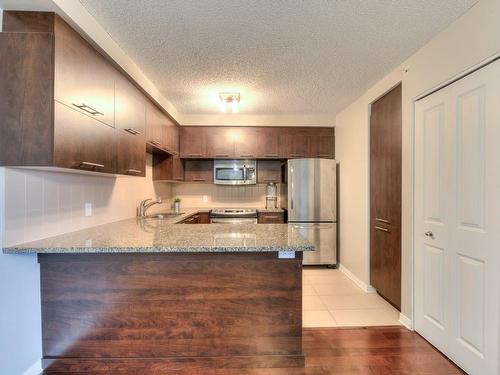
[{"x": 145, "y": 295}]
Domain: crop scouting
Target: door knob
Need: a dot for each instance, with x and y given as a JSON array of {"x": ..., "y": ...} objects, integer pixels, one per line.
[{"x": 429, "y": 234}]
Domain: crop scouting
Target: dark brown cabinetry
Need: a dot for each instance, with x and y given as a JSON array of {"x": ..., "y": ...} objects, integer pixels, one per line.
[
  {"x": 269, "y": 171},
  {"x": 168, "y": 168},
  {"x": 201, "y": 171},
  {"x": 215, "y": 142},
  {"x": 130, "y": 122},
  {"x": 198, "y": 218},
  {"x": 385, "y": 196},
  {"x": 193, "y": 142},
  {"x": 92, "y": 149},
  {"x": 271, "y": 218},
  {"x": 155, "y": 124},
  {"x": 84, "y": 79},
  {"x": 220, "y": 142}
]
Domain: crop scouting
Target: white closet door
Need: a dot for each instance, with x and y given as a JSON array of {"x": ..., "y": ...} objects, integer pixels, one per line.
[{"x": 457, "y": 204}]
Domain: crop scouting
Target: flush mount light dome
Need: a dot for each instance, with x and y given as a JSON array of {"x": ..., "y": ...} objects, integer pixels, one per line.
[{"x": 229, "y": 99}]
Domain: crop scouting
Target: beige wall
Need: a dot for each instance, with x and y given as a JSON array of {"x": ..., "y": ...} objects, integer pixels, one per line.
[
  {"x": 41, "y": 204},
  {"x": 468, "y": 41},
  {"x": 209, "y": 195}
]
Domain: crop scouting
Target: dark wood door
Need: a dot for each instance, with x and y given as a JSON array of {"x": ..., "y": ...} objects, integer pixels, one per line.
[
  {"x": 268, "y": 171},
  {"x": 220, "y": 142},
  {"x": 385, "y": 196},
  {"x": 268, "y": 142},
  {"x": 201, "y": 171},
  {"x": 171, "y": 136},
  {"x": 130, "y": 121},
  {"x": 192, "y": 142},
  {"x": 271, "y": 218},
  {"x": 84, "y": 79},
  {"x": 295, "y": 143},
  {"x": 81, "y": 142},
  {"x": 245, "y": 142},
  {"x": 321, "y": 143}
]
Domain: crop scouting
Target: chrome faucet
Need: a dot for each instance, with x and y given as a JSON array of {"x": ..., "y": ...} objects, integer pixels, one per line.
[{"x": 144, "y": 205}]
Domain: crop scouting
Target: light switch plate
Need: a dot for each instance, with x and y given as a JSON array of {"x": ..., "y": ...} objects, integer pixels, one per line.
[{"x": 286, "y": 254}]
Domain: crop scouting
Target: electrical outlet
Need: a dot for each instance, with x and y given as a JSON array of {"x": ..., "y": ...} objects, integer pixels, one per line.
[
  {"x": 205, "y": 198},
  {"x": 88, "y": 243},
  {"x": 88, "y": 209}
]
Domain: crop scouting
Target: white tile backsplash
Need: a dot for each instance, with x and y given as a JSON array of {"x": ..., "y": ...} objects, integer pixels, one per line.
[
  {"x": 41, "y": 204},
  {"x": 210, "y": 195}
]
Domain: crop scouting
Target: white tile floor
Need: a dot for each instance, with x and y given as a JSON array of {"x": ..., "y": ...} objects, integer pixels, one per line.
[{"x": 331, "y": 299}]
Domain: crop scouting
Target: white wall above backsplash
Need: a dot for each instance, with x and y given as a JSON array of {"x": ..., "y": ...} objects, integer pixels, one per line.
[
  {"x": 210, "y": 195},
  {"x": 40, "y": 204}
]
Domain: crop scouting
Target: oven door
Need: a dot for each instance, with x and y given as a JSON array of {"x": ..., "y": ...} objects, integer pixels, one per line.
[{"x": 233, "y": 220}]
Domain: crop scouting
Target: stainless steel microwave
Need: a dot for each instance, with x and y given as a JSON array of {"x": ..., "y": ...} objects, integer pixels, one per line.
[{"x": 235, "y": 172}]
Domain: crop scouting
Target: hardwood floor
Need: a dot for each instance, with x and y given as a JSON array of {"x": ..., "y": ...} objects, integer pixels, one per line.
[{"x": 346, "y": 351}]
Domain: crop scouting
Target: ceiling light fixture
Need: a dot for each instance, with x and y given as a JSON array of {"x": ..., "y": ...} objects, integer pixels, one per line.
[{"x": 229, "y": 99}]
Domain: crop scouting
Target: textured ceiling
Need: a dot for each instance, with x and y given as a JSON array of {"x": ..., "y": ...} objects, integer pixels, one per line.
[{"x": 286, "y": 57}]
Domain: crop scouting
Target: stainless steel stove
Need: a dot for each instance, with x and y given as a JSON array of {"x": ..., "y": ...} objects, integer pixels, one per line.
[{"x": 233, "y": 216}]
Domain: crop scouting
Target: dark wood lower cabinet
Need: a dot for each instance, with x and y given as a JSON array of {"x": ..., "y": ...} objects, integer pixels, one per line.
[
  {"x": 198, "y": 218},
  {"x": 131, "y": 313},
  {"x": 385, "y": 196},
  {"x": 271, "y": 217}
]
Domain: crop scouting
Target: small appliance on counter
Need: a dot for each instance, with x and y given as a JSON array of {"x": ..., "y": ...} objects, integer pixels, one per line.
[{"x": 271, "y": 196}]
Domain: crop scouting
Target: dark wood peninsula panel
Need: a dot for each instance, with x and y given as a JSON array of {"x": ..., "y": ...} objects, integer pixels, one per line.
[{"x": 142, "y": 313}]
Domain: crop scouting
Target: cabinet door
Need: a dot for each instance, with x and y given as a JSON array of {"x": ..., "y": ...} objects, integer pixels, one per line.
[
  {"x": 81, "y": 142},
  {"x": 268, "y": 142},
  {"x": 245, "y": 142},
  {"x": 168, "y": 168},
  {"x": 171, "y": 135},
  {"x": 294, "y": 143},
  {"x": 130, "y": 125},
  {"x": 203, "y": 218},
  {"x": 220, "y": 142},
  {"x": 84, "y": 79},
  {"x": 322, "y": 144},
  {"x": 155, "y": 124},
  {"x": 192, "y": 142},
  {"x": 268, "y": 171},
  {"x": 199, "y": 171},
  {"x": 271, "y": 218}
]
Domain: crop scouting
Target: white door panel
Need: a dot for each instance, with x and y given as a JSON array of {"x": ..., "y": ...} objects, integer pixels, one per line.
[{"x": 457, "y": 198}]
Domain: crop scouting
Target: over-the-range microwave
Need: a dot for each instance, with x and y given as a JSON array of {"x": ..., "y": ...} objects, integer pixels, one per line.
[{"x": 235, "y": 172}]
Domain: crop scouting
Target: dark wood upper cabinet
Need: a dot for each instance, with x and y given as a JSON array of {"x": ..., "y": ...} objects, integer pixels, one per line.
[
  {"x": 130, "y": 121},
  {"x": 155, "y": 124},
  {"x": 201, "y": 171},
  {"x": 246, "y": 141},
  {"x": 168, "y": 168},
  {"x": 220, "y": 142},
  {"x": 193, "y": 142},
  {"x": 267, "y": 144},
  {"x": 84, "y": 79},
  {"x": 269, "y": 171},
  {"x": 82, "y": 143},
  {"x": 171, "y": 137},
  {"x": 321, "y": 144}
]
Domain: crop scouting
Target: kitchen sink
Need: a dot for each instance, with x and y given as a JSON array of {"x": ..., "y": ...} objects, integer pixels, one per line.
[{"x": 167, "y": 215}]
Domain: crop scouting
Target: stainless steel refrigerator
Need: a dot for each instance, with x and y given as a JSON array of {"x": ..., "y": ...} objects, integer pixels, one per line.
[{"x": 312, "y": 206}]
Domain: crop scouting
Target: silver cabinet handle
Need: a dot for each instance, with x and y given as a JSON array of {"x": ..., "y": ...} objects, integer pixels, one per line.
[
  {"x": 429, "y": 234},
  {"x": 89, "y": 164},
  {"x": 198, "y": 179},
  {"x": 270, "y": 217},
  {"x": 136, "y": 171},
  {"x": 382, "y": 229},
  {"x": 297, "y": 155},
  {"x": 156, "y": 143},
  {"x": 382, "y": 220},
  {"x": 271, "y": 155},
  {"x": 194, "y": 155},
  {"x": 221, "y": 155},
  {"x": 132, "y": 131},
  {"x": 246, "y": 155},
  {"x": 88, "y": 109}
]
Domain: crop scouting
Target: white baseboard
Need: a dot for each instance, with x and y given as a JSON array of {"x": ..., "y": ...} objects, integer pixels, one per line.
[
  {"x": 364, "y": 286},
  {"x": 405, "y": 321},
  {"x": 34, "y": 369}
]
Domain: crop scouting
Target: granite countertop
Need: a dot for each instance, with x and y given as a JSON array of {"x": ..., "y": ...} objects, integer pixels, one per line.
[{"x": 143, "y": 235}]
